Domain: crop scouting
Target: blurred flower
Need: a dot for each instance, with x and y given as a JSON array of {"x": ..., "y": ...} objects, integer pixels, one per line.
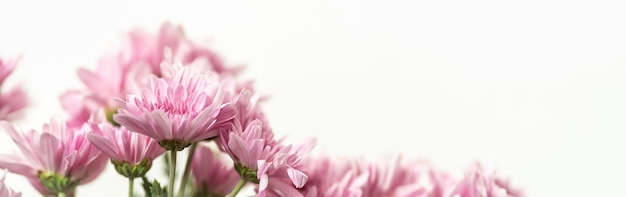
[
  {"x": 333, "y": 177},
  {"x": 6, "y": 191},
  {"x": 55, "y": 160},
  {"x": 131, "y": 153},
  {"x": 393, "y": 177},
  {"x": 13, "y": 100},
  {"x": 478, "y": 183},
  {"x": 150, "y": 49},
  {"x": 178, "y": 109},
  {"x": 112, "y": 79},
  {"x": 212, "y": 177}
]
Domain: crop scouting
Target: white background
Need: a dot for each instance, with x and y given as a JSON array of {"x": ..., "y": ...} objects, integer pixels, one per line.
[{"x": 535, "y": 88}]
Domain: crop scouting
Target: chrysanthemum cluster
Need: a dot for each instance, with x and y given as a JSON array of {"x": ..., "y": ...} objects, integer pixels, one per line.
[{"x": 165, "y": 94}]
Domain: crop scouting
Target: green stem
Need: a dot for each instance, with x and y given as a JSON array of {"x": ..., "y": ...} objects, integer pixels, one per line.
[
  {"x": 131, "y": 185},
  {"x": 172, "y": 174},
  {"x": 183, "y": 184},
  {"x": 61, "y": 194},
  {"x": 240, "y": 185}
]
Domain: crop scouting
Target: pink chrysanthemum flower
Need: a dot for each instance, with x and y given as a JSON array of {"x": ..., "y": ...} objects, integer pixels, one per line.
[
  {"x": 114, "y": 78},
  {"x": 248, "y": 110},
  {"x": 212, "y": 176},
  {"x": 150, "y": 49},
  {"x": 124, "y": 71},
  {"x": 12, "y": 101},
  {"x": 55, "y": 160},
  {"x": 178, "y": 109},
  {"x": 396, "y": 178},
  {"x": 440, "y": 184},
  {"x": 276, "y": 169},
  {"x": 6, "y": 191},
  {"x": 131, "y": 153},
  {"x": 334, "y": 177},
  {"x": 478, "y": 183}
]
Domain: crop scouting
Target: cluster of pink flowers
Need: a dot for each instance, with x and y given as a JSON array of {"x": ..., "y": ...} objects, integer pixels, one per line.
[{"x": 161, "y": 94}]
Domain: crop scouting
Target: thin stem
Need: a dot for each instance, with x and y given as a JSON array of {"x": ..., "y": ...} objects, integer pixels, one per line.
[
  {"x": 172, "y": 174},
  {"x": 183, "y": 184},
  {"x": 131, "y": 185},
  {"x": 240, "y": 185}
]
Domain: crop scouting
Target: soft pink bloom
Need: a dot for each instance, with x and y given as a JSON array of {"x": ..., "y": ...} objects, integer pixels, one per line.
[
  {"x": 393, "y": 177},
  {"x": 13, "y": 100},
  {"x": 182, "y": 106},
  {"x": 56, "y": 150},
  {"x": 6, "y": 191},
  {"x": 333, "y": 177},
  {"x": 122, "y": 145},
  {"x": 212, "y": 176},
  {"x": 192, "y": 51},
  {"x": 247, "y": 111},
  {"x": 278, "y": 169},
  {"x": 125, "y": 70},
  {"x": 440, "y": 184},
  {"x": 114, "y": 78},
  {"x": 479, "y": 183},
  {"x": 150, "y": 49}
]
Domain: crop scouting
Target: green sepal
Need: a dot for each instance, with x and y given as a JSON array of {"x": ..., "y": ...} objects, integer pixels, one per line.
[
  {"x": 246, "y": 173},
  {"x": 132, "y": 171},
  {"x": 55, "y": 183},
  {"x": 109, "y": 116}
]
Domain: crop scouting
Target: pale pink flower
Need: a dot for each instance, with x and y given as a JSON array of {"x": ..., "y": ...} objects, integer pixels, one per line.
[
  {"x": 192, "y": 51},
  {"x": 479, "y": 183},
  {"x": 212, "y": 176},
  {"x": 248, "y": 110},
  {"x": 276, "y": 169},
  {"x": 123, "y": 146},
  {"x": 6, "y": 191},
  {"x": 113, "y": 78},
  {"x": 440, "y": 184},
  {"x": 177, "y": 109},
  {"x": 55, "y": 152},
  {"x": 393, "y": 177},
  {"x": 333, "y": 177},
  {"x": 124, "y": 71},
  {"x": 13, "y": 100},
  {"x": 150, "y": 49}
]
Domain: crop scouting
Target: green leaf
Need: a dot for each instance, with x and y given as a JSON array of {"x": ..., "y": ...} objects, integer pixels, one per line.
[
  {"x": 146, "y": 186},
  {"x": 156, "y": 190}
]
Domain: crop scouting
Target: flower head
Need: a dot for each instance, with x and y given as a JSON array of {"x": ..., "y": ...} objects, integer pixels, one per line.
[
  {"x": 330, "y": 177},
  {"x": 114, "y": 78},
  {"x": 276, "y": 168},
  {"x": 55, "y": 160},
  {"x": 6, "y": 191},
  {"x": 131, "y": 153},
  {"x": 478, "y": 183},
  {"x": 178, "y": 109},
  {"x": 150, "y": 49},
  {"x": 12, "y": 101},
  {"x": 396, "y": 178},
  {"x": 212, "y": 177}
]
